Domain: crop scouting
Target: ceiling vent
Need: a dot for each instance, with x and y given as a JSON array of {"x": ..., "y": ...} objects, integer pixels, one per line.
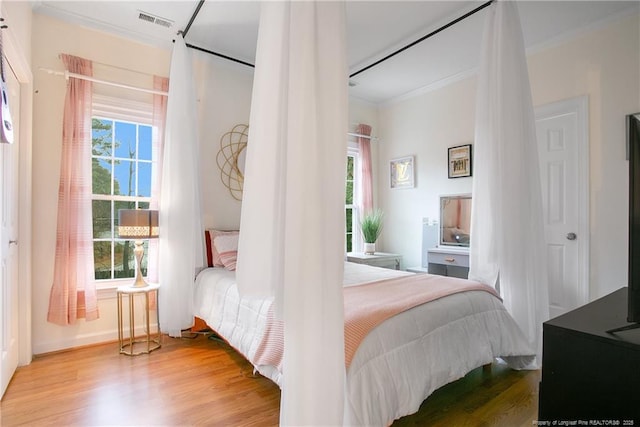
[{"x": 144, "y": 16}]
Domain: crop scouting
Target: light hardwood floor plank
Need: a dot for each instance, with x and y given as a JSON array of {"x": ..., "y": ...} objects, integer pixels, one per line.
[{"x": 205, "y": 382}]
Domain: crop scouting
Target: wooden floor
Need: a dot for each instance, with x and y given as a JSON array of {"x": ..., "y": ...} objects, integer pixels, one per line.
[{"x": 205, "y": 382}]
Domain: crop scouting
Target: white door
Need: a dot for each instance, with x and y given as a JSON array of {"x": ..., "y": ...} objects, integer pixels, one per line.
[
  {"x": 9, "y": 303},
  {"x": 564, "y": 164}
]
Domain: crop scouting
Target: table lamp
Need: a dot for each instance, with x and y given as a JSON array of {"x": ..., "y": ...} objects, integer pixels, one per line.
[{"x": 138, "y": 224}]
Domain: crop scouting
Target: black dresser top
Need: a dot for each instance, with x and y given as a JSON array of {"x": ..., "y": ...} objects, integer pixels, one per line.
[{"x": 597, "y": 317}]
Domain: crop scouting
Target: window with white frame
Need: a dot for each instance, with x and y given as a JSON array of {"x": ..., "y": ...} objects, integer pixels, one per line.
[
  {"x": 121, "y": 175},
  {"x": 352, "y": 200}
]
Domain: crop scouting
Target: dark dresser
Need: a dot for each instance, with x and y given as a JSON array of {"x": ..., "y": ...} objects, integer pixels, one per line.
[{"x": 587, "y": 374}]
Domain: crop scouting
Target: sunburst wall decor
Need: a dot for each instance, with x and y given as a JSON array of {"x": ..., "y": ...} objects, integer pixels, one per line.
[{"x": 230, "y": 159}]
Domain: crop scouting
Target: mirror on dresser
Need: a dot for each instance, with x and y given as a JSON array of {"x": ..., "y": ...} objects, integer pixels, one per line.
[
  {"x": 455, "y": 220},
  {"x": 445, "y": 244}
]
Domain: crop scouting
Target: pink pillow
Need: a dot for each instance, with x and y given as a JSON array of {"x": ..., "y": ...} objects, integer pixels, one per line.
[
  {"x": 227, "y": 247},
  {"x": 213, "y": 255}
]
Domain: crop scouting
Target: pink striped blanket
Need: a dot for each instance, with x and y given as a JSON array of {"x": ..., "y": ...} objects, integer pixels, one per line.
[{"x": 368, "y": 305}]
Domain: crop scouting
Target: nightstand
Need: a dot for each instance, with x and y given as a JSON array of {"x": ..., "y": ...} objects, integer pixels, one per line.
[
  {"x": 378, "y": 259},
  {"x": 149, "y": 341}
]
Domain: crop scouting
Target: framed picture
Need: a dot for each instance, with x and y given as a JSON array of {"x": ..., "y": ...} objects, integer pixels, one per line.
[
  {"x": 460, "y": 161},
  {"x": 401, "y": 172}
]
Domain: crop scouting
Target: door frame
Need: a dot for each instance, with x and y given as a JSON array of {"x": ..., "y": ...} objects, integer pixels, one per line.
[
  {"x": 22, "y": 69},
  {"x": 578, "y": 106}
]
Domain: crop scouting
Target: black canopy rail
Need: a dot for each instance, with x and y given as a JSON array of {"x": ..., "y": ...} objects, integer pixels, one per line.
[
  {"x": 193, "y": 18},
  {"x": 201, "y": 49},
  {"x": 423, "y": 38},
  {"x": 220, "y": 55},
  {"x": 402, "y": 49}
]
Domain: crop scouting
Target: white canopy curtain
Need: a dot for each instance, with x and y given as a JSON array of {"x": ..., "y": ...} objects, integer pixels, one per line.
[
  {"x": 507, "y": 227},
  {"x": 181, "y": 236},
  {"x": 158, "y": 120},
  {"x": 291, "y": 242}
]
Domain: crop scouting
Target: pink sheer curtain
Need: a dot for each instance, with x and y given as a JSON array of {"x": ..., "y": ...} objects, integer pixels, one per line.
[
  {"x": 158, "y": 122},
  {"x": 73, "y": 293},
  {"x": 367, "y": 174}
]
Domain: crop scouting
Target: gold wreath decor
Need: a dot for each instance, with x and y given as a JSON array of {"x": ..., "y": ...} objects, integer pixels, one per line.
[{"x": 231, "y": 146}]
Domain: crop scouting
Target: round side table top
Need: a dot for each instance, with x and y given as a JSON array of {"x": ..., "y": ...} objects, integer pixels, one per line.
[{"x": 128, "y": 289}]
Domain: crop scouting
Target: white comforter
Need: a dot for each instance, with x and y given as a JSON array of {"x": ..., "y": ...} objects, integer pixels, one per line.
[{"x": 402, "y": 361}]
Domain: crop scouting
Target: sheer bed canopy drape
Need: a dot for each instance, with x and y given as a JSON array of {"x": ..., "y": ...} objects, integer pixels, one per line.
[
  {"x": 291, "y": 242},
  {"x": 181, "y": 240},
  {"x": 508, "y": 235}
]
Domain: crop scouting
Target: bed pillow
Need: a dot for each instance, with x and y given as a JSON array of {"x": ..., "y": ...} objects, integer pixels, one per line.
[
  {"x": 213, "y": 256},
  {"x": 227, "y": 247}
]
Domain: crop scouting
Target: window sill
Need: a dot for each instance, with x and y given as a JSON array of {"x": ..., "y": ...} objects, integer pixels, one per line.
[{"x": 106, "y": 289}]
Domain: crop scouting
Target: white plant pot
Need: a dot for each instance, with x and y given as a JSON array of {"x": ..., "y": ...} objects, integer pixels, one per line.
[{"x": 369, "y": 248}]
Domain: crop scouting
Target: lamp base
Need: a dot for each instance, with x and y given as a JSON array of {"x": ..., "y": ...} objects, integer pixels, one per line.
[{"x": 139, "y": 253}]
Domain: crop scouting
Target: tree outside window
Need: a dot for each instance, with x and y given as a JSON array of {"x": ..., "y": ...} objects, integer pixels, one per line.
[{"x": 121, "y": 173}]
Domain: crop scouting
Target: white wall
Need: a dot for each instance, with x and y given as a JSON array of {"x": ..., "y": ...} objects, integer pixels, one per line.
[
  {"x": 423, "y": 127},
  {"x": 603, "y": 64},
  {"x": 223, "y": 96}
]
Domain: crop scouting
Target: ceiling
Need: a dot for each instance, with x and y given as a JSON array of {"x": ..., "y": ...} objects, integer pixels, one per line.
[{"x": 374, "y": 30}]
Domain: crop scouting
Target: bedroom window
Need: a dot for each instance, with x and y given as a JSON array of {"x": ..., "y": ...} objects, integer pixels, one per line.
[
  {"x": 351, "y": 202},
  {"x": 121, "y": 173}
]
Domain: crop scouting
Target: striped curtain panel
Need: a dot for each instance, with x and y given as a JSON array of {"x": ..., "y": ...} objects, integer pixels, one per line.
[
  {"x": 367, "y": 168},
  {"x": 73, "y": 293}
]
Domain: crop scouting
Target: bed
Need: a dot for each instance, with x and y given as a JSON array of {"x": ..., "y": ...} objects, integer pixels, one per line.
[{"x": 401, "y": 361}]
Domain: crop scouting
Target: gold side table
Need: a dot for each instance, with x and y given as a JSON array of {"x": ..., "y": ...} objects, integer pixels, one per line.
[{"x": 149, "y": 341}]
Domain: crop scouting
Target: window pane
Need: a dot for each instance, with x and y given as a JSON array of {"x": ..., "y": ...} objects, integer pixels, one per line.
[
  {"x": 349, "y": 220},
  {"x": 101, "y": 137},
  {"x": 121, "y": 166},
  {"x": 349, "y": 242},
  {"x": 125, "y": 140},
  {"x": 144, "y": 179},
  {"x": 101, "y": 176},
  {"x": 349, "y": 195},
  {"x": 102, "y": 260},
  {"x": 124, "y": 176},
  {"x": 350, "y": 168},
  {"x": 101, "y": 219},
  {"x": 144, "y": 142},
  {"x": 124, "y": 261}
]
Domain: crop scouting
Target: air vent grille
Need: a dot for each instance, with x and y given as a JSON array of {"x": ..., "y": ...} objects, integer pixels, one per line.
[
  {"x": 144, "y": 16},
  {"x": 163, "y": 22}
]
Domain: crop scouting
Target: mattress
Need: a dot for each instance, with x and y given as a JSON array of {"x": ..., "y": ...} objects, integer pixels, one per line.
[{"x": 401, "y": 361}]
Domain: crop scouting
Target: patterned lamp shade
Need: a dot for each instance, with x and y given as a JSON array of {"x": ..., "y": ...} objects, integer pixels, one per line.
[{"x": 138, "y": 223}]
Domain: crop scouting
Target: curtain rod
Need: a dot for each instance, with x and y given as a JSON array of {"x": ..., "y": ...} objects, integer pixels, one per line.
[
  {"x": 359, "y": 135},
  {"x": 423, "y": 38},
  {"x": 67, "y": 74}
]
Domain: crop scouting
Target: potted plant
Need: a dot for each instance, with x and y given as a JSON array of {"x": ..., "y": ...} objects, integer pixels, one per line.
[{"x": 371, "y": 227}]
